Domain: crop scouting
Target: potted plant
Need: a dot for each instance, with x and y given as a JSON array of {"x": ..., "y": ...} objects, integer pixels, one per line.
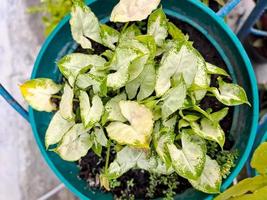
[{"x": 129, "y": 112}]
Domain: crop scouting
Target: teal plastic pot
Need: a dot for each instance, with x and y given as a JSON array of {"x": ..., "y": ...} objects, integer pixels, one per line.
[{"x": 60, "y": 43}]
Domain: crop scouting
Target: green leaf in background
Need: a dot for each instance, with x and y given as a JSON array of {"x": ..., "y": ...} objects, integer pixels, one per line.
[
  {"x": 230, "y": 94},
  {"x": 157, "y": 26},
  {"x": 90, "y": 115},
  {"x": 172, "y": 65},
  {"x": 38, "y": 93},
  {"x": 137, "y": 10},
  {"x": 84, "y": 25},
  {"x": 66, "y": 103},
  {"x": 72, "y": 64},
  {"x": 58, "y": 126},
  {"x": 189, "y": 161},
  {"x": 176, "y": 33},
  {"x": 145, "y": 82},
  {"x": 173, "y": 100},
  {"x": 212, "y": 69},
  {"x": 109, "y": 36},
  {"x": 259, "y": 159},
  {"x": 75, "y": 143},
  {"x": 219, "y": 115},
  {"x": 210, "y": 179},
  {"x": 246, "y": 186},
  {"x": 209, "y": 130},
  {"x": 113, "y": 109},
  {"x": 138, "y": 133}
]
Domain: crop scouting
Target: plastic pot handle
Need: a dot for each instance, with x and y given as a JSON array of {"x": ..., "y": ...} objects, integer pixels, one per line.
[
  {"x": 227, "y": 8},
  {"x": 12, "y": 102}
]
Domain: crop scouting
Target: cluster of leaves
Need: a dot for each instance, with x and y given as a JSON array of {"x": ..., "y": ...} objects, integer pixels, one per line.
[
  {"x": 53, "y": 11},
  {"x": 251, "y": 188},
  {"x": 143, "y": 94}
]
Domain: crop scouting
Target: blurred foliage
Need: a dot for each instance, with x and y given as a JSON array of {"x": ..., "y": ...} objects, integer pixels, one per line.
[
  {"x": 220, "y": 2},
  {"x": 52, "y": 12}
]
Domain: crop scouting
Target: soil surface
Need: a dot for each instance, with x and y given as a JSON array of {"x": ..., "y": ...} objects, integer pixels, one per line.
[{"x": 91, "y": 164}]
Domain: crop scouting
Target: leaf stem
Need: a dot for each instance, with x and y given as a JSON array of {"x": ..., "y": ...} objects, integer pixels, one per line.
[{"x": 107, "y": 156}]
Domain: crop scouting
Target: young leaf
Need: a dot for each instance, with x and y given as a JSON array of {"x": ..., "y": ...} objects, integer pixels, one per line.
[
  {"x": 173, "y": 100},
  {"x": 145, "y": 81},
  {"x": 209, "y": 130},
  {"x": 230, "y": 94},
  {"x": 75, "y": 143},
  {"x": 58, "y": 126},
  {"x": 130, "y": 33},
  {"x": 84, "y": 25},
  {"x": 176, "y": 33},
  {"x": 189, "y": 161},
  {"x": 38, "y": 93},
  {"x": 133, "y": 10},
  {"x": 172, "y": 65},
  {"x": 136, "y": 67},
  {"x": 219, "y": 115},
  {"x": 113, "y": 109},
  {"x": 109, "y": 36},
  {"x": 259, "y": 159},
  {"x": 246, "y": 186},
  {"x": 71, "y": 65},
  {"x": 157, "y": 26},
  {"x": 210, "y": 179},
  {"x": 90, "y": 115},
  {"x": 150, "y": 43},
  {"x": 137, "y": 134},
  {"x": 212, "y": 69},
  {"x": 66, "y": 103}
]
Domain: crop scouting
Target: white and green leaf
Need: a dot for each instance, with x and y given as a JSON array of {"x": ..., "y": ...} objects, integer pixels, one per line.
[
  {"x": 109, "y": 36},
  {"x": 66, "y": 103},
  {"x": 212, "y": 69},
  {"x": 38, "y": 93},
  {"x": 113, "y": 109}
]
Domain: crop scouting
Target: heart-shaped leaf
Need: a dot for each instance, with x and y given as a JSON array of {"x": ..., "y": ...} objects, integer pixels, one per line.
[
  {"x": 38, "y": 93},
  {"x": 189, "y": 161}
]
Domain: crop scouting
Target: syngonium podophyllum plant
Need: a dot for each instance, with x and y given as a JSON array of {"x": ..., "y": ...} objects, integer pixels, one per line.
[{"x": 142, "y": 94}]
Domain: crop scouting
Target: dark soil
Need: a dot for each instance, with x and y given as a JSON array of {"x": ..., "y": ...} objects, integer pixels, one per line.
[{"x": 91, "y": 164}]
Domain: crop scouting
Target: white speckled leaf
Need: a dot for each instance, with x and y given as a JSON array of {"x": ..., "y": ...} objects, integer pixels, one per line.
[
  {"x": 210, "y": 130},
  {"x": 212, "y": 69},
  {"x": 109, "y": 36},
  {"x": 58, "y": 126},
  {"x": 38, "y": 92},
  {"x": 157, "y": 26},
  {"x": 230, "y": 94},
  {"x": 66, "y": 103},
  {"x": 71, "y": 65},
  {"x": 75, "y": 143},
  {"x": 173, "y": 65},
  {"x": 113, "y": 108},
  {"x": 133, "y": 10},
  {"x": 84, "y": 25},
  {"x": 189, "y": 161},
  {"x": 210, "y": 179}
]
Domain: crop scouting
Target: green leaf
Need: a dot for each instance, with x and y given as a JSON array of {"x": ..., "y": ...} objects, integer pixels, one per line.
[
  {"x": 133, "y": 10},
  {"x": 189, "y": 161},
  {"x": 246, "y": 186},
  {"x": 90, "y": 115},
  {"x": 209, "y": 130},
  {"x": 172, "y": 65},
  {"x": 150, "y": 43},
  {"x": 109, "y": 36},
  {"x": 75, "y": 143},
  {"x": 38, "y": 93},
  {"x": 71, "y": 65},
  {"x": 113, "y": 109},
  {"x": 84, "y": 25},
  {"x": 170, "y": 123},
  {"x": 137, "y": 66},
  {"x": 58, "y": 126},
  {"x": 173, "y": 100},
  {"x": 219, "y": 115},
  {"x": 210, "y": 179},
  {"x": 176, "y": 33},
  {"x": 145, "y": 82},
  {"x": 100, "y": 137},
  {"x": 138, "y": 133},
  {"x": 212, "y": 69},
  {"x": 66, "y": 103},
  {"x": 260, "y": 194},
  {"x": 259, "y": 159},
  {"x": 230, "y": 94},
  {"x": 130, "y": 32},
  {"x": 183, "y": 123},
  {"x": 157, "y": 26}
]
